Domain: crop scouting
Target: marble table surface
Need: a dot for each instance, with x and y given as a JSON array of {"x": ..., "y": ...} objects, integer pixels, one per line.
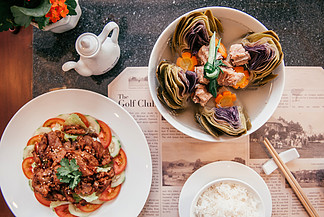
[{"x": 298, "y": 23}]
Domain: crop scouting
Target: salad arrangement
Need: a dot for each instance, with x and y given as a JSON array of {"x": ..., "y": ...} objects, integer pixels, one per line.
[
  {"x": 206, "y": 73},
  {"x": 74, "y": 164}
]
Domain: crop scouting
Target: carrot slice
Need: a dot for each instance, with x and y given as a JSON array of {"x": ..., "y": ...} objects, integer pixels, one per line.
[
  {"x": 187, "y": 61},
  {"x": 225, "y": 99},
  {"x": 221, "y": 48},
  {"x": 245, "y": 80}
]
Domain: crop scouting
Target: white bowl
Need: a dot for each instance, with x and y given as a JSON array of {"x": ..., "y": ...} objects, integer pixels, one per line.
[
  {"x": 259, "y": 103},
  {"x": 251, "y": 191}
]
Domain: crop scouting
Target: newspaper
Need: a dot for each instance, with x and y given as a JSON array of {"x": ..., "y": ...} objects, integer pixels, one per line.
[{"x": 297, "y": 122}]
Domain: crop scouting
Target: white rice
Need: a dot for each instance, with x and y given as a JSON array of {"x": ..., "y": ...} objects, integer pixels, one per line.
[{"x": 227, "y": 199}]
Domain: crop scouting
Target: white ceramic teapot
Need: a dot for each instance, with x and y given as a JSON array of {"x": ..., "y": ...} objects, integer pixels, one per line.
[{"x": 98, "y": 54}]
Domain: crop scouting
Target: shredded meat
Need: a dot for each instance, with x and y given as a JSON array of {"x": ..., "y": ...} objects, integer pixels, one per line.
[
  {"x": 88, "y": 153},
  {"x": 239, "y": 56}
]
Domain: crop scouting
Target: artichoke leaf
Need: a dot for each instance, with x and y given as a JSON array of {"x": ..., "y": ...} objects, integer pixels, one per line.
[
  {"x": 194, "y": 30},
  {"x": 172, "y": 90},
  {"x": 206, "y": 125},
  {"x": 231, "y": 120},
  {"x": 266, "y": 55}
]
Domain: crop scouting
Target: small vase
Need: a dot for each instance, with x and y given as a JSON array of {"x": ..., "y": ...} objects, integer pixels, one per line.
[{"x": 65, "y": 24}]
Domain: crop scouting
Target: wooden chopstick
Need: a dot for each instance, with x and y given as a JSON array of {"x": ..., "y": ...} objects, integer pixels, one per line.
[{"x": 291, "y": 180}]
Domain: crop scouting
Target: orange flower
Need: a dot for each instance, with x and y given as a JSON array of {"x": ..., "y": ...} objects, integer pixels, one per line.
[
  {"x": 64, "y": 11},
  {"x": 58, "y": 10}
]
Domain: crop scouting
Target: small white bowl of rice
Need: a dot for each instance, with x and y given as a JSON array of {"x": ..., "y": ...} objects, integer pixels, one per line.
[{"x": 227, "y": 197}]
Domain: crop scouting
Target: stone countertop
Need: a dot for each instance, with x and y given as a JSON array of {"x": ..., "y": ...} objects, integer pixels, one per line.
[{"x": 298, "y": 23}]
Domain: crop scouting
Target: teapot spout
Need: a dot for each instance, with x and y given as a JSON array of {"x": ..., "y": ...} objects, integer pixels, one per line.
[
  {"x": 69, "y": 65},
  {"x": 79, "y": 66}
]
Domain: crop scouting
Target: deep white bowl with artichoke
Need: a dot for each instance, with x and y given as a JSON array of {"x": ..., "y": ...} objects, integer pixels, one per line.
[{"x": 173, "y": 89}]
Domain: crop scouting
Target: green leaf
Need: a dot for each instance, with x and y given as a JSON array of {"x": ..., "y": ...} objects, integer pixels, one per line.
[
  {"x": 23, "y": 16},
  {"x": 6, "y": 18},
  {"x": 5, "y": 25},
  {"x": 71, "y": 11},
  {"x": 75, "y": 182},
  {"x": 41, "y": 10},
  {"x": 74, "y": 165},
  {"x": 69, "y": 172},
  {"x": 42, "y": 21},
  {"x": 63, "y": 171},
  {"x": 64, "y": 162},
  {"x": 71, "y": 3},
  {"x": 76, "y": 173},
  {"x": 20, "y": 18},
  {"x": 65, "y": 180}
]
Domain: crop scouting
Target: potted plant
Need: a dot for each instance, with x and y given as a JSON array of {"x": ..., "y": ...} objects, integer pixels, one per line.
[{"x": 48, "y": 15}]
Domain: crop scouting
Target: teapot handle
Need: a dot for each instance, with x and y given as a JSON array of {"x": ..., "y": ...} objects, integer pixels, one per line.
[{"x": 107, "y": 29}]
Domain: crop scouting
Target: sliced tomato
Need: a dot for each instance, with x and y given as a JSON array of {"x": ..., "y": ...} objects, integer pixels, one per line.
[
  {"x": 63, "y": 211},
  {"x": 110, "y": 193},
  {"x": 120, "y": 162},
  {"x": 83, "y": 118},
  {"x": 89, "y": 207},
  {"x": 27, "y": 167},
  {"x": 42, "y": 200},
  {"x": 34, "y": 140},
  {"x": 52, "y": 121},
  {"x": 105, "y": 134}
]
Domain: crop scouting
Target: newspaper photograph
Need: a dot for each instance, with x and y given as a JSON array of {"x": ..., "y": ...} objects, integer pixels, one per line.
[{"x": 297, "y": 123}]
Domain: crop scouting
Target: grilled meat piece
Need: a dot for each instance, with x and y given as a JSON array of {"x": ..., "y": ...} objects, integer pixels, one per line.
[{"x": 74, "y": 129}]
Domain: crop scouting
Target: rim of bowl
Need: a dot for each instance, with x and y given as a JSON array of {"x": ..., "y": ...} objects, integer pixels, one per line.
[
  {"x": 226, "y": 180},
  {"x": 167, "y": 32}
]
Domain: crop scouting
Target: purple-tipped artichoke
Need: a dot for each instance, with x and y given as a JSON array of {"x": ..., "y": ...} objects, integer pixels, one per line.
[
  {"x": 266, "y": 54},
  {"x": 175, "y": 84},
  {"x": 194, "y": 31},
  {"x": 229, "y": 120}
]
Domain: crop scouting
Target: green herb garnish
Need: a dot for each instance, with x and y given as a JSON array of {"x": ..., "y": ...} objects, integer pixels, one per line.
[
  {"x": 212, "y": 67},
  {"x": 69, "y": 172}
]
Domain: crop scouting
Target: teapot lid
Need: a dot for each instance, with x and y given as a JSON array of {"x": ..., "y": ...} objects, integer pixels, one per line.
[{"x": 87, "y": 44}]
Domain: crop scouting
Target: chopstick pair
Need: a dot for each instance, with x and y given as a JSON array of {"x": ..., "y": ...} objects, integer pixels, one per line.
[{"x": 291, "y": 180}]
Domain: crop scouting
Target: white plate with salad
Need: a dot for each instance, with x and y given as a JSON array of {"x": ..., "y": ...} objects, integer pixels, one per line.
[{"x": 64, "y": 105}]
